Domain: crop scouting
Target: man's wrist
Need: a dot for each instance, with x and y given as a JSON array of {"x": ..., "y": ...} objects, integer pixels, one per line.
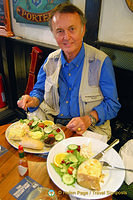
[
  {"x": 93, "y": 120},
  {"x": 36, "y": 101}
]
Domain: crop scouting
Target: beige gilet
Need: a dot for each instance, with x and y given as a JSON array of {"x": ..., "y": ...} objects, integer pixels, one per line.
[{"x": 89, "y": 95}]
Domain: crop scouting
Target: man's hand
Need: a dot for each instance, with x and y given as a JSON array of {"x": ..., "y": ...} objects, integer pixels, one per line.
[
  {"x": 81, "y": 124},
  {"x": 28, "y": 101}
]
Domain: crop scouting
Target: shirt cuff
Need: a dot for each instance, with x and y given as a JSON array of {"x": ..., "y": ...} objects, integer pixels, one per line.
[
  {"x": 101, "y": 115},
  {"x": 32, "y": 109},
  {"x": 38, "y": 96}
]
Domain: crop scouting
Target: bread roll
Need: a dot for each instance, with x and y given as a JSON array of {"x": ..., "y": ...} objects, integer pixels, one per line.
[
  {"x": 31, "y": 143},
  {"x": 89, "y": 173}
]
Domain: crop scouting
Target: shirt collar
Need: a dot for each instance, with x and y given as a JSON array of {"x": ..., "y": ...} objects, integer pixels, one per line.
[{"x": 77, "y": 60}]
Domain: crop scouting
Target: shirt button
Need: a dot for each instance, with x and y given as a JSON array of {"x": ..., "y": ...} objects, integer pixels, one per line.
[
  {"x": 66, "y": 101},
  {"x": 70, "y": 88},
  {"x": 61, "y": 114},
  {"x": 77, "y": 65},
  {"x": 69, "y": 74}
]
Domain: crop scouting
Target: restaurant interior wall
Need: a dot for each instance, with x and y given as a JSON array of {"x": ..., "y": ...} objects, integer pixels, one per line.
[
  {"x": 38, "y": 33},
  {"x": 115, "y": 37},
  {"x": 115, "y": 24}
]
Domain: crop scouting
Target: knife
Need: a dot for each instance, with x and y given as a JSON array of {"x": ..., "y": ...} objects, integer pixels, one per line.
[{"x": 99, "y": 155}]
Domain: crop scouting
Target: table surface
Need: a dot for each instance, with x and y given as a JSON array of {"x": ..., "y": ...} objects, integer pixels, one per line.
[{"x": 9, "y": 175}]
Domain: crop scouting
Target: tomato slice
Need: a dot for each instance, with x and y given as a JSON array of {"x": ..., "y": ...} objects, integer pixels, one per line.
[
  {"x": 30, "y": 122},
  {"x": 51, "y": 135},
  {"x": 70, "y": 170},
  {"x": 70, "y": 151},
  {"x": 41, "y": 124},
  {"x": 57, "y": 130}
]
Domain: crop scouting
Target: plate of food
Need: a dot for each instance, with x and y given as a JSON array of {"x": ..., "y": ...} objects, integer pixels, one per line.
[
  {"x": 36, "y": 136},
  {"x": 73, "y": 169}
]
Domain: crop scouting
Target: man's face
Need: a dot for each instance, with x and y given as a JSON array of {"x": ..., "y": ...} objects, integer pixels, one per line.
[{"x": 68, "y": 32}]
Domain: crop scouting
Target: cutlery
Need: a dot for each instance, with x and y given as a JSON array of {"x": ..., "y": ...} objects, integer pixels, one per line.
[
  {"x": 105, "y": 164},
  {"x": 99, "y": 155},
  {"x": 32, "y": 182},
  {"x": 26, "y": 109},
  {"x": 2, "y": 150}
]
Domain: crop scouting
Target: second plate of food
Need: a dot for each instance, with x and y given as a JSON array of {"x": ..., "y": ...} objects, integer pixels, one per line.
[
  {"x": 112, "y": 178},
  {"x": 35, "y": 136}
]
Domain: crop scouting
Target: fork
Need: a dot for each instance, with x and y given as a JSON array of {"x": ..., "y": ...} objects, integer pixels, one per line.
[
  {"x": 105, "y": 164},
  {"x": 25, "y": 109}
]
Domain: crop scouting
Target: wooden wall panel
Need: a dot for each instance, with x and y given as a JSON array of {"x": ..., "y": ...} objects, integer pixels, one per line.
[{"x": 21, "y": 64}]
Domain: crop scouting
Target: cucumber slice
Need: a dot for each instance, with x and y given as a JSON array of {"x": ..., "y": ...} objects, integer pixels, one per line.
[
  {"x": 72, "y": 146},
  {"x": 54, "y": 132},
  {"x": 72, "y": 158},
  {"x": 68, "y": 179},
  {"x": 48, "y": 129},
  {"x": 59, "y": 137},
  {"x": 34, "y": 123},
  {"x": 36, "y": 128},
  {"x": 24, "y": 121}
]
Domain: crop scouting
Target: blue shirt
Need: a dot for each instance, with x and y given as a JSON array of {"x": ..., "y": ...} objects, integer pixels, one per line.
[{"x": 69, "y": 84}]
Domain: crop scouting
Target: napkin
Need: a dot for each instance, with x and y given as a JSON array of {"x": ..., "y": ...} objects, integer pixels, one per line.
[
  {"x": 97, "y": 136},
  {"x": 126, "y": 153}
]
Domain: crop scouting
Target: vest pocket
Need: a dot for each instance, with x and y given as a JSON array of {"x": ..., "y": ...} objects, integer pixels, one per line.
[
  {"x": 88, "y": 102},
  {"x": 87, "y": 98}
]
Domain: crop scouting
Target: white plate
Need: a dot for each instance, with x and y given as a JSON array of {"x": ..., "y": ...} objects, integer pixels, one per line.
[
  {"x": 15, "y": 144},
  {"x": 112, "y": 181}
]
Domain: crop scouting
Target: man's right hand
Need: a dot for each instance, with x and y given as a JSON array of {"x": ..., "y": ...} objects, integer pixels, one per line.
[{"x": 27, "y": 101}]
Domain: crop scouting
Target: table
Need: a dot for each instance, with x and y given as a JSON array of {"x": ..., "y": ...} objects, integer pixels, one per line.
[{"x": 9, "y": 175}]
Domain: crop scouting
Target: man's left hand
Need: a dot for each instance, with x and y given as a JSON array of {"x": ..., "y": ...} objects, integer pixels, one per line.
[{"x": 79, "y": 124}]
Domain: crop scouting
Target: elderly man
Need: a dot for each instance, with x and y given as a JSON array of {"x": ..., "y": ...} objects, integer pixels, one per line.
[{"x": 76, "y": 84}]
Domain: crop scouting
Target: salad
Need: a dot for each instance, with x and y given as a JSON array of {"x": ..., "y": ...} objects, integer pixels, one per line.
[
  {"x": 46, "y": 131},
  {"x": 66, "y": 164}
]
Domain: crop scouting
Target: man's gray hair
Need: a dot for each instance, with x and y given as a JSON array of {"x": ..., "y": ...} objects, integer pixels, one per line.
[{"x": 67, "y": 7}]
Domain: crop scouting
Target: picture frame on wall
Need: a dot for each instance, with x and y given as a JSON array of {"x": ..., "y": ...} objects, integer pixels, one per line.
[
  {"x": 34, "y": 11},
  {"x": 5, "y": 20},
  {"x": 130, "y": 4}
]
